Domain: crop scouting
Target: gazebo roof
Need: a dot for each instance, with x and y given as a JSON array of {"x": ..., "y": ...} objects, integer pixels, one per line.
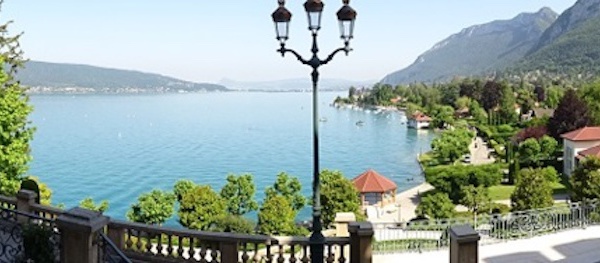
[{"x": 373, "y": 182}]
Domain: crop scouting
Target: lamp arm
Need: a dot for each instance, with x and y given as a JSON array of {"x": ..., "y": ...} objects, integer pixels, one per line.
[
  {"x": 330, "y": 57},
  {"x": 284, "y": 50}
]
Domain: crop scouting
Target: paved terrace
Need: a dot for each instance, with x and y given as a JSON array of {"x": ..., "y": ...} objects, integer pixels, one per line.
[{"x": 573, "y": 246}]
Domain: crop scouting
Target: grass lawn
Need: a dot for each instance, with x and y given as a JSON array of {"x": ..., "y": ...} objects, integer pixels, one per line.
[{"x": 503, "y": 192}]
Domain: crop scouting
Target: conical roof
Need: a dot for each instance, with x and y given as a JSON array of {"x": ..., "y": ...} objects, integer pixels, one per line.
[{"x": 373, "y": 182}]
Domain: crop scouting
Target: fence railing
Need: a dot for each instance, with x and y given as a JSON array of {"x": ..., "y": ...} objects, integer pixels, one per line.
[
  {"x": 108, "y": 251},
  {"x": 26, "y": 237},
  {"x": 433, "y": 234},
  {"x": 147, "y": 243}
]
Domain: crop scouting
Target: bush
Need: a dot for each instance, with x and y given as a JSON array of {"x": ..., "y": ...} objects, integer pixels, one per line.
[
  {"x": 235, "y": 224},
  {"x": 37, "y": 244},
  {"x": 450, "y": 179}
]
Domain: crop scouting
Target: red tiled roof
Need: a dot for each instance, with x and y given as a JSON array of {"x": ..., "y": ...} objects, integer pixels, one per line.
[
  {"x": 372, "y": 182},
  {"x": 420, "y": 117},
  {"x": 583, "y": 134},
  {"x": 595, "y": 151}
]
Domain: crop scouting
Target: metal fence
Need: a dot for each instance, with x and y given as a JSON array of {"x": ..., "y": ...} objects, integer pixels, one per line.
[
  {"x": 27, "y": 237},
  {"x": 109, "y": 253},
  {"x": 426, "y": 235}
]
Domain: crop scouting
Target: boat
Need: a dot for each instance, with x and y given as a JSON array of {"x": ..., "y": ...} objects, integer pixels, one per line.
[
  {"x": 323, "y": 119},
  {"x": 360, "y": 123}
]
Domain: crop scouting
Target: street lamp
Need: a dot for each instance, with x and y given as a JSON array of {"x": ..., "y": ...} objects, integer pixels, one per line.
[{"x": 346, "y": 17}]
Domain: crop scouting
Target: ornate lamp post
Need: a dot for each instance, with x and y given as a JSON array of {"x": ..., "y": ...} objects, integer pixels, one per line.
[{"x": 346, "y": 16}]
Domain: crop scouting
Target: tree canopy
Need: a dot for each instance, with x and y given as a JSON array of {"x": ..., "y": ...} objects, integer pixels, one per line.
[
  {"x": 288, "y": 187},
  {"x": 152, "y": 208},
  {"x": 201, "y": 208},
  {"x": 238, "y": 194},
  {"x": 88, "y": 203},
  {"x": 276, "y": 216},
  {"x": 585, "y": 179},
  {"x": 533, "y": 189},
  {"x": 338, "y": 195},
  {"x": 437, "y": 205},
  {"x": 571, "y": 114}
]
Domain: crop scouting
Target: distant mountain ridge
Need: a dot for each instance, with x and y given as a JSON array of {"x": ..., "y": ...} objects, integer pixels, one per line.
[
  {"x": 477, "y": 49},
  {"x": 300, "y": 84},
  {"x": 571, "y": 45},
  {"x": 46, "y": 77}
]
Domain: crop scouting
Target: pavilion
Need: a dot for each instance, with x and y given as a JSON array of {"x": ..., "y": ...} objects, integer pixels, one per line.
[{"x": 375, "y": 189}]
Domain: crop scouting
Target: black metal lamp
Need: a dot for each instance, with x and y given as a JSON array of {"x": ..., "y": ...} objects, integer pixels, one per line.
[
  {"x": 346, "y": 15},
  {"x": 282, "y": 18},
  {"x": 314, "y": 9}
]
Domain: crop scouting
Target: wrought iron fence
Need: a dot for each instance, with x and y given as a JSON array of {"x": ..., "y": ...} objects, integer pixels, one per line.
[
  {"x": 27, "y": 237},
  {"x": 109, "y": 253},
  {"x": 433, "y": 234}
]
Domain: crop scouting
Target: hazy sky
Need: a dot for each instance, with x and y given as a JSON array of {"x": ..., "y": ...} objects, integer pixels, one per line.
[{"x": 207, "y": 40}]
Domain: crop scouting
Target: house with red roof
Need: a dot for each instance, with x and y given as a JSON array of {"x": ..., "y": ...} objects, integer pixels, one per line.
[
  {"x": 579, "y": 144},
  {"x": 419, "y": 120},
  {"x": 375, "y": 189}
]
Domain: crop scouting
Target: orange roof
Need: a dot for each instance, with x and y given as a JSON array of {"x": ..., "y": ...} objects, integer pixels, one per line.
[
  {"x": 595, "y": 151},
  {"x": 420, "y": 117},
  {"x": 372, "y": 182},
  {"x": 583, "y": 134}
]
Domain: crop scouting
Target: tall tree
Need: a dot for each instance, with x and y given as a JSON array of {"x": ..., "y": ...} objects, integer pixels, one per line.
[
  {"x": 533, "y": 189},
  {"x": 585, "y": 179},
  {"x": 290, "y": 188},
  {"x": 590, "y": 93},
  {"x": 15, "y": 129},
  {"x": 474, "y": 198},
  {"x": 437, "y": 205},
  {"x": 507, "y": 105},
  {"x": 338, "y": 194},
  {"x": 490, "y": 97},
  {"x": 571, "y": 114},
  {"x": 201, "y": 208},
  {"x": 238, "y": 194},
  {"x": 540, "y": 93},
  {"x": 152, "y": 208}
]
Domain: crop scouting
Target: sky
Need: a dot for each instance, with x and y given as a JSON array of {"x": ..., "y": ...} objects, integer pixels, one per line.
[{"x": 208, "y": 40}]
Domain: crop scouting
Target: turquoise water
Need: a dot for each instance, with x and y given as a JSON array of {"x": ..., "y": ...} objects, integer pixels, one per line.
[{"x": 115, "y": 147}]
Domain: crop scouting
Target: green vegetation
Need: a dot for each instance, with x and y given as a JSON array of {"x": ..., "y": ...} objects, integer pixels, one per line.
[
  {"x": 290, "y": 188},
  {"x": 570, "y": 114},
  {"x": 450, "y": 179},
  {"x": 201, "y": 208},
  {"x": 533, "y": 189},
  {"x": 436, "y": 205},
  {"x": 276, "y": 216},
  {"x": 338, "y": 195},
  {"x": 152, "y": 208},
  {"x": 451, "y": 145},
  {"x": 585, "y": 180},
  {"x": 238, "y": 194},
  {"x": 88, "y": 203}
]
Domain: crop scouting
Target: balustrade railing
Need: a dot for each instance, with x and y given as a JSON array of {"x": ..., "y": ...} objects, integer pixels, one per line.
[
  {"x": 8, "y": 202},
  {"x": 108, "y": 251},
  {"x": 146, "y": 243},
  {"x": 47, "y": 212},
  {"x": 433, "y": 234}
]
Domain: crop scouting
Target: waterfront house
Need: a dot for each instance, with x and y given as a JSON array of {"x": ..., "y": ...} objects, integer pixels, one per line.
[
  {"x": 375, "y": 189},
  {"x": 579, "y": 144},
  {"x": 419, "y": 121}
]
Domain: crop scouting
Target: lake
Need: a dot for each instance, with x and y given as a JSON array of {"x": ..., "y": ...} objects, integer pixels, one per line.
[{"x": 115, "y": 147}]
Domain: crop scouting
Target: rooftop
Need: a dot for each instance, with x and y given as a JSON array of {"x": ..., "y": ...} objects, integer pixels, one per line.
[
  {"x": 583, "y": 134},
  {"x": 373, "y": 182}
]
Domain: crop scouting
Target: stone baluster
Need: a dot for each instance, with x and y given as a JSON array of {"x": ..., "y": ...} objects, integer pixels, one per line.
[{"x": 361, "y": 237}]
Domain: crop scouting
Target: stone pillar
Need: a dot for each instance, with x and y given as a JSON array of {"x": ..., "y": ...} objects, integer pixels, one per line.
[
  {"x": 78, "y": 233},
  {"x": 25, "y": 198},
  {"x": 361, "y": 237},
  {"x": 464, "y": 244},
  {"x": 229, "y": 252},
  {"x": 117, "y": 235},
  {"x": 341, "y": 223}
]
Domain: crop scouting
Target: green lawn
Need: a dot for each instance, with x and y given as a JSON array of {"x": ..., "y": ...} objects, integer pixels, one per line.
[{"x": 503, "y": 192}]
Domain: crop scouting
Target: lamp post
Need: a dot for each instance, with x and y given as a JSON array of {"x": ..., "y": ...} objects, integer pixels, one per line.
[{"x": 346, "y": 16}]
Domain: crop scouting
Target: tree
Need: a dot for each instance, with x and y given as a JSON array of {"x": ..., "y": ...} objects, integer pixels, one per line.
[
  {"x": 201, "y": 208},
  {"x": 442, "y": 115},
  {"x": 548, "y": 147},
  {"x": 88, "y": 203},
  {"x": 507, "y": 105},
  {"x": 338, "y": 194},
  {"x": 553, "y": 96},
  {"x": 234, "y": 224},
  {"x": 15, "y": 129},
  {"x": 276, "y": 216},
  {"x": 533, "y": 190},
  {"x": 452, "y": 145},
  {"x": 290, "y": 188},
  {"x": 475, "y": 198},
  {"x": 571, "y": 114},
  {"x": 490, "y": 97},
  {"x": 529, "y": 151},
  {"x": 463, "y": 102},
  {"x": 152, "y": 208},
  {"x": 591, "y": 94},
  {"x": 182, "y": 187},
  {"x": 540, "y": 93},
  {"x": 585, "y": 179},
  {"x": 437, "y": 205},
  {"x": 238, "y": 194}
]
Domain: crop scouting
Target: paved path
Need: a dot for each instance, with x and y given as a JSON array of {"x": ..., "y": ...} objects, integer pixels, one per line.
[
  {"x": 408, "y": 201},
  {"x": 480, "y": 152},
  {"x": 573, "y": 246}
]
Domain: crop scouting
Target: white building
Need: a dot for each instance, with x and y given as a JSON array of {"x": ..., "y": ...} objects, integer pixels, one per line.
[
  {"x": 419, "y": 121},
  {"x": 579, "y": 144}
]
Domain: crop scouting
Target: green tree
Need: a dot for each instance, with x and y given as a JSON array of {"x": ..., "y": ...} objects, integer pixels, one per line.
[
  {"x": 533, "y": 190},
  {"x": 338, "y": 194},
  {"x": 238, "y": 194},
  {"x": 437, "y": 205},
  {"x": 442, "y": 115},
  {"x": 507, "y": 105},
  {"x": 548, "y": 147},
  {"x": 276, "y": 216},
  {"x": 234, "y": 224},
  {"x": 451, "y": 145},
  {"x": 201, "y": 208},
  {"x": 553, "y": 96},
  {"x": 15, "y": 129},
  {"x": 474, "y": 198},
  {"x": 152, "y": 208},
  {"x": 585, "y": 179},
  {"x": 529, "y": 151},
  {"x": 463, "y": 102},
  {"x": 288, "y": 187},
  {"x": 88, "y": 203},
  {"x": 590, "y": 93},
  {"x": 181, "y": 187}
]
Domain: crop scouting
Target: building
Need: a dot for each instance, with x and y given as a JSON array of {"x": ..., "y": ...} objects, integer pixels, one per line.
[
  {"x": 375, "y": 189},
  {"x": 419, "y": 121},
  {"x": 579, "y": 144}
]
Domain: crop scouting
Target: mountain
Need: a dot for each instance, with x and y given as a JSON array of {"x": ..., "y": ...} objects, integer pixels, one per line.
[
  {"x": 301, "y": 84},
  {"x": 477, "y": 49},
  {"x": 569, "y": 45},
  {"x": 44, "y": 77}
]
